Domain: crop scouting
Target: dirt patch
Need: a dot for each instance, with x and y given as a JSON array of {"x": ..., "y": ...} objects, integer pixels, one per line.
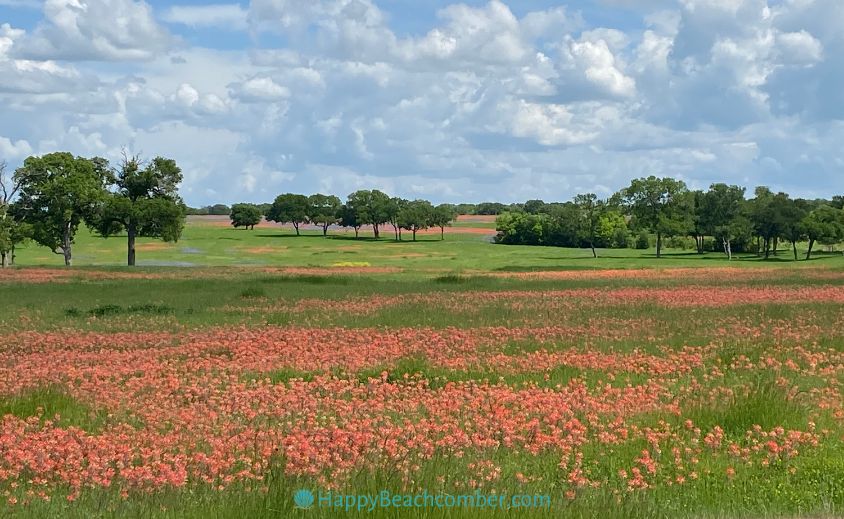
[
  {"x": 485, "y": 218},
  {"x": 151, "y": 247},
  {"x": 264, "y": 250}
]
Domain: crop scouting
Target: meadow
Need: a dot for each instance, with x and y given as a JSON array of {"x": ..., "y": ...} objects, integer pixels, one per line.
[{"x": 619, "y": 387}]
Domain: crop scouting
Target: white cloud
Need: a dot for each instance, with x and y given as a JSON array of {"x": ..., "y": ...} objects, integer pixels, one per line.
[
  {"x": 259, "y": 89},
  {"x": 10, "y": 150},
  {"x": 111, "y": 30},
  {"x": 222, "y": 16},
  {"x": 800, "y": 47},
  {"x": 484, "y": 102}
]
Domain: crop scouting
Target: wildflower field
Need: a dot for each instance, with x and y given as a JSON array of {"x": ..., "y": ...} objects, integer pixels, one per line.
[{"x": 685, "y": 392}]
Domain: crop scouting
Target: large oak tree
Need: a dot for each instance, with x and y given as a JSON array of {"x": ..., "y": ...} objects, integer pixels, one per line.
[{"x": 143, "y": 201}]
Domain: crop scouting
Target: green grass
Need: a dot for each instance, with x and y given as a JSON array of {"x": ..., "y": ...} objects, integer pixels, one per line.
[
  {"x": 216, "y": 245},
  {"x": 48, "y": 402}
]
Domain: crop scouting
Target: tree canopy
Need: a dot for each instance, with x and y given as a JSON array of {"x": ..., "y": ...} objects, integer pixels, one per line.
[{"x": 142, "y": 200}]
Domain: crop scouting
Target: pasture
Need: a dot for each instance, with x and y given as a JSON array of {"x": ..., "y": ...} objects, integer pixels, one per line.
[{"x": 618, "y": 387}]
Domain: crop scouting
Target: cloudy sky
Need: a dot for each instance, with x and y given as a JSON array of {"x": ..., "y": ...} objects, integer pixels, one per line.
[{"x": 482, "y": 100}]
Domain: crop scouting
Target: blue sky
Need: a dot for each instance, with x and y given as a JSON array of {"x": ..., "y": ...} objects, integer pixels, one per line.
[{"x": 481, "y": 100}]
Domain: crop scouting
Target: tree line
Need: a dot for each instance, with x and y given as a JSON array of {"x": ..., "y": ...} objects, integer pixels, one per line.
[
  {"x": 364, "y": 207},
  {"x": 720, "y": 218},
  {"x": 49, "y": 197}
]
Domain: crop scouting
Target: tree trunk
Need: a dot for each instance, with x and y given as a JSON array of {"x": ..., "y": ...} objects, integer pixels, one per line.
[
  {"x": 414, "y": 234},
  {"x": 794, "y": 246},
  {"x": 375, "y": 230},
  {"x": 400, "y": 234},
  {"x": 729, "y": 249},
  {"x": 67, "y": 251},
  {"x": 356, "y": 232},
  {"x": 12, "y": 258},
  {"x": 324, "y": 230},
  {"x": 776, "y": 244},
  {"x": 592, "y": 246},
  {"x": 442, "y": 233},
  {"x": 767, "y": 245},
  {"x": 809, "y": 252},
  {"x": 131, "y": 231},
  {"x": 3, "y": 259},
  {"x": 658, "y": 245},
  {"x": 296, "y": 226}
]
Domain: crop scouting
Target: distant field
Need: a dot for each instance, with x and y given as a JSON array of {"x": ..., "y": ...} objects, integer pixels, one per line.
[{"x": 211, "y": 241}]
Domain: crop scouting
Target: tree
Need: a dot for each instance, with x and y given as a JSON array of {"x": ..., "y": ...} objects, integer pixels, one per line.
[
  {"x": 245, "y": 215},
  {"x": 768, "y": 215},
  {"x": 661, "y": 205},
  {"x": 291, "y": 208},
  {"x": 219, "y": 210},
  {"x": 323, "y": 210},
  {"x": 720, "y": 214},
  {"x": 612, "y": 230},
  {"x": 590, "y": 210},
  {"x": 58, "y": 192},
  {"x": 825, "y": 224},
  {"x": 13, "y": 232},
  {"x": 791, "y": 214},
  {"x": 144, "y": 201},
  {"x": 349, "y": 218},
  {"x": 372, "y": 208},
  {"x": 442, "y": 216},
  {"x": 699, "y": 228},
  {"x": 9, "y": 186},
  {"x": 394, "y": 208},
  {"x": 487, "y": 208},
  {"x": 522, "y": 228},
  {"x": 416, "y": 215},
  {"x": 534, "y": 206}
]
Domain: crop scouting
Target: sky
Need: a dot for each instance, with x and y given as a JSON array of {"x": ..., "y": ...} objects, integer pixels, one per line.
[{"x": 451, "y": 102}]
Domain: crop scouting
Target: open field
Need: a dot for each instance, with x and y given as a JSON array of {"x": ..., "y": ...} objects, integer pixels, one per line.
[
  {"x": 699, "y": 389},
  {"x": 211, "y": 241}
]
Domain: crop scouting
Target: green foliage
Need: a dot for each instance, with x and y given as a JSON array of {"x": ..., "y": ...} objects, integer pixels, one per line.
[
  {"x": 324, "y": 210},
  {"x": 661, "y": 205},
  {"x": 487, "y": 208},
  {"x": 590, "y": 210},
  {"x": 824, "y": 225},
  {"x": 58, "y": 192},
  {"x": 245, "y": 215},
  {"x": 442, "y": 217},
  {"x": 371, "y": 208},
  {"x": 534, "y": 206},
  {"x": 144, "y": 201},
  {"x": 289, "y": 208},
  {"x": 416, "y": 215},
  {"x": 643, "y": 241},
  {"x": 612, "y": 230},
  {"x": 522, "y": 228}
]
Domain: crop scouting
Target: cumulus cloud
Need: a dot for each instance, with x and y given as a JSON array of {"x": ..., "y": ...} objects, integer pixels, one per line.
[
  {"x": 111, "y": 30},
  {"x": 485, "y": 102}
]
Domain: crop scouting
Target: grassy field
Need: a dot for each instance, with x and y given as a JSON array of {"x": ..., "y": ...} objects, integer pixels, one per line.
[
  {"x": 701, "y": 388},
  {"x": 210, "y": 241}
]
